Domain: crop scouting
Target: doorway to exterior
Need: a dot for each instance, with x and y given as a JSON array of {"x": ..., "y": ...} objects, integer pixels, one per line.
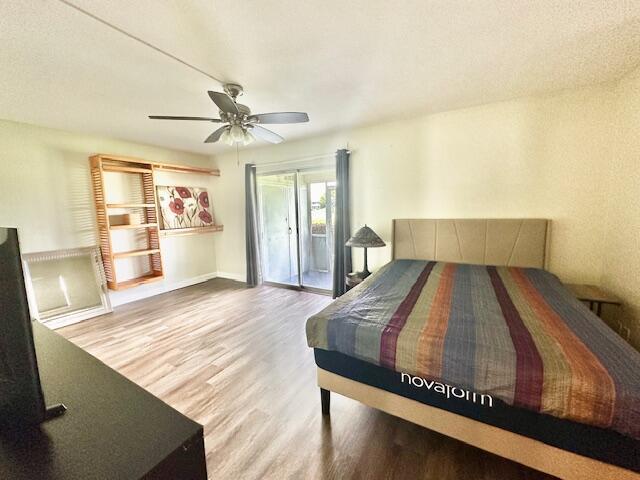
[{"x": 296, "y": 221}]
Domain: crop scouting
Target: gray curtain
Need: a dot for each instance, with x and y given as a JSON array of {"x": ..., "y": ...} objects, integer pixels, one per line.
[
  {"x": 254, "y": 276},
  {"x": 342, "y": 255}
]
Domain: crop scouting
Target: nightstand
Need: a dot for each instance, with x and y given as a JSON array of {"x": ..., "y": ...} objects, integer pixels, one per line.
[
  {"x": 595, "y": 296},
  {"x": 353, "y": 279}
]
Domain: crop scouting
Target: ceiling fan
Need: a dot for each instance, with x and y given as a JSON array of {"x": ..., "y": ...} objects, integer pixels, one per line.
[{"x": 241, "y": 126}]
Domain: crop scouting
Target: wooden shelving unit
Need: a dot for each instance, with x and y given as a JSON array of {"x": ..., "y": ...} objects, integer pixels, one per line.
[
  {"x": 131, "y": 205},
  {"x": 136, "y": 253},
  {"x": 105, "y": 163},
  {"x": 125, "y": 169},
  {"x": 134, "y": 163},
  {"x": 102, "y": 163},
  {"x": 186, "y": 169},
  {"x": 191, "y": 231},
  {"x": 134, "y": 226},
  {"x": 134, "y": 282}
]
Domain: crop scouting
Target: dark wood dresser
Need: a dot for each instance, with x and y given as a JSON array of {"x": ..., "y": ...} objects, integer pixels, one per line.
[{"x": 113, "y": 429}]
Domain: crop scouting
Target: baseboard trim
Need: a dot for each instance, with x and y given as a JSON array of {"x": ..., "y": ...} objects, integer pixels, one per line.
[
  {"x": 232, "y": 276},
  {"x": 151, "y": 290}
]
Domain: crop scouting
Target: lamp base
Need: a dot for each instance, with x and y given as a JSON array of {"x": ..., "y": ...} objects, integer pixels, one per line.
[
  {"x": 354, "y": 278},
  {"x": 361, "y": 275},
  {"x": 365, "y": 271}
]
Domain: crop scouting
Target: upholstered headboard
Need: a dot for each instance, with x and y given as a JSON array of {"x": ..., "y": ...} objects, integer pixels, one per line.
[{"x": 502, "y": 242}]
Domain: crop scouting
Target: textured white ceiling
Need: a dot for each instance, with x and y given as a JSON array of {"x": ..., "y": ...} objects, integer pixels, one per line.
[{"x": 346, "y": 63}]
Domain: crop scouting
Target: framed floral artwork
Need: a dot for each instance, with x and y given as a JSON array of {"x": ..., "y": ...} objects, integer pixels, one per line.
[{"x": 184, "y": 207}]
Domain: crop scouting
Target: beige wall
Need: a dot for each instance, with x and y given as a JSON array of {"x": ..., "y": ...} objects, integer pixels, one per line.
[
  {"x": 548, "y": 156},
  {"x": 621, "y": 258},
  {"x": 536, "y": 157},
  {"x": 46, "y": 192}
]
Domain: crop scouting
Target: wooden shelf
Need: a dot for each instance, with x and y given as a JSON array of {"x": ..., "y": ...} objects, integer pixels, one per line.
[
  {"x": 134, "y": 282},
  {"x": 171, "y": 167},
  {"x": 131, "y": 205},
  {"x": 135, "y": 253},
  {"x": 125, "y": 169},
  {"x": 131, "y": 227},
  {"x": 105, "y": 157},
  {"x": 186, "y": 169},
  {"x": 191, "y": 231}
]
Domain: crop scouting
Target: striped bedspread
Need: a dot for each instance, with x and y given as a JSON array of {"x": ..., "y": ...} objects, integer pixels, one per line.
[{"x": 514, "y": 333}]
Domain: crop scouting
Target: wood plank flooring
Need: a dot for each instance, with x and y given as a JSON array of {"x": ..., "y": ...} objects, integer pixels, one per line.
[{"x": 235, "y": 360}]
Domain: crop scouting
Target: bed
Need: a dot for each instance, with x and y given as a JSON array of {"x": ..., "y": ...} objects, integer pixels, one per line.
[{"x": 465, "y": 333}]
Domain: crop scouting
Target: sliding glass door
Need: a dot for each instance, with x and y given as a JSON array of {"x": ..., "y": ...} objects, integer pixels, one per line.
[
  {"x": 317, "y": 201},
  {"x": 296, "y": 227},
  {"x": 278, "y": 229}
]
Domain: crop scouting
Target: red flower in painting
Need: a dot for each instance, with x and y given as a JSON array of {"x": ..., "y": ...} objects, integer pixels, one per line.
[
  {"x": 204, "y": 199},
  {"x": 177, "y": 206},
  {"x": 205, "y": 216},
  {"x": 183, "y": 192}
]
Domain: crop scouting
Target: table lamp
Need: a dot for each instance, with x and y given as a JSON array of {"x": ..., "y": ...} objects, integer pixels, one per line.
[{"x": 365, "y": 238}]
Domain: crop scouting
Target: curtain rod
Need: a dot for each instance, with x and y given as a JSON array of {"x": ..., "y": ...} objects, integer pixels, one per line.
[{"x": 299, "y": 159}]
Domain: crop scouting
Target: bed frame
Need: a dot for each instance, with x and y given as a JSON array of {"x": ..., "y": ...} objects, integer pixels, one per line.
[{"x": 506, "y": 242}]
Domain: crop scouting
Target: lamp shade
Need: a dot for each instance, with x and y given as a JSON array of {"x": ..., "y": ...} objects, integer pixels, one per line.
[
  {"x": 237, "y": 133},
  {"x": 365, "y": 238},
  {"x": 248, "y": 138},
  {"x": 226, "y": 138}
]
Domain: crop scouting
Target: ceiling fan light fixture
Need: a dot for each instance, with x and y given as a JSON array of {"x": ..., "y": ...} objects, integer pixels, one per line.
[
  {"x": 248, "y": 138},
  {"x": 226, "y": 138},
  {"x": 237, "y": 133}
]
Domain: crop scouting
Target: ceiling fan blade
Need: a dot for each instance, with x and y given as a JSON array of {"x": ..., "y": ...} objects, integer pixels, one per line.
[
  {"x": 224, "y": 102},
  {"x": 279, "y": 117},
  {"x": 169, "y": 117},
  {"x": 215, "y": 136},
  {"x": 265, "y": 134}
]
